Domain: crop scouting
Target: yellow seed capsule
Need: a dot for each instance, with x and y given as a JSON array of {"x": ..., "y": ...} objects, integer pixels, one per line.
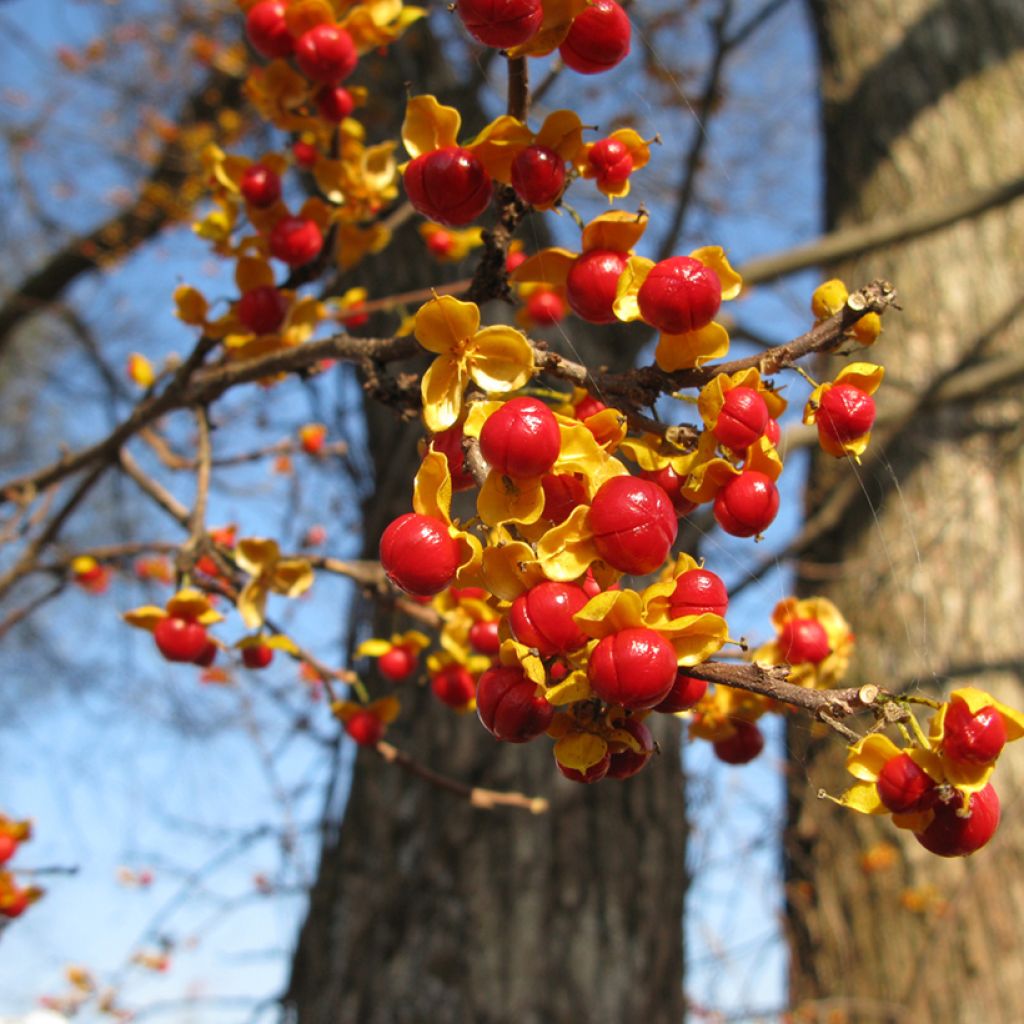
[
  {"x": 867, "y": 329},
  {"x": 828, "y": 299}
]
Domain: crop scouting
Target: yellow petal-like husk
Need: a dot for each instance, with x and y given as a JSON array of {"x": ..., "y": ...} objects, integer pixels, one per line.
[
  {"x": 442, "y": 388},
  {"x": 429, "y": 125},
  {"x": 501, "y": 359},
  {"x": 713, "y": 256}
]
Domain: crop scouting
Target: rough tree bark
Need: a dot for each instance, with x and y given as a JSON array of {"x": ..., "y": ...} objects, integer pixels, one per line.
[
  {"x": 427, "y": 909},
  {"x": 922, "y": 98}
]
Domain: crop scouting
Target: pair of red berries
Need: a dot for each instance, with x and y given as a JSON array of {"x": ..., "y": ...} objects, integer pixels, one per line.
[
  {"x": 621, "y": 764},
  {"x": 325, "y": 53}
]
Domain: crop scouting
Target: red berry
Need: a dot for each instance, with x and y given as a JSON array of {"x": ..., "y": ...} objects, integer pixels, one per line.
[
  {"x": 974, "y": 738},
  {"x": 685, "y": 693},
  {"x": 742, "y": 746},
  {"x": 180, "y": 639},
  {"x": 538, "y": 175},
  {"x": 545, "y": 307},
  {"x": 562, "y": 493},
  {"x": 208, "y": 656},
  {"x": 484, "y": 637},
  {"x": 698, "y": 591},
  {"x": 628, "y": 762},
  {"x": 845, "y": 413},
  {"x": 440, "y": 242},
  {"x": 679, "y": 295},
  {"x": 397, "y": 664},
  {"x": 262, "y": 309},
  {"x": 588, "y": 406},
  {"x": 513, "y": 260},
  {"x": 449, "y": 444},
  {"x": 8, "y": 847},
  {"x": 305, "y": 153},
  {"x": 611, "y": 162},
  {"x": 543, "y": 617},
  {"x": 598, "y": 38},
  {"x": 595, "y": 773},
  {"x": 448, "y": 185},
  {"x": 16, "y": 904},
  {"x": 334, "y": 103},
  {"x": 267, "y": 29},
  {"x": 634, "y": 667},
  {"x": 258, "y": 656},
  {"x": 742, "y": 419},
  {"x": 326, "y": 54},
  {"x": 260, "y": 186},
  {"x": 591, "y": 283},
  {"x": 773, "y": 431},
  {"x": 804, "y": 641},
  {"x": 453, "y": 686},
  {"x": 365, "y": 728},
  {"x": 501, "y": 23},
  {"x": 633, "y": 523},
  {"x": 903, "y": 785},
  {"x": 296, "y": 241},
  {"x": 747, "y": 504},
  {"x": 672, "y": 484},
  {"x": 509, "y": 707},
  {"x": 950, "y": 835},
  {"x": 418, "y": 554},
  {"x": 521, "y": 439}
]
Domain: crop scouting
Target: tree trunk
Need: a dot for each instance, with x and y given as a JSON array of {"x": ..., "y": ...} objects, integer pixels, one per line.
[
  {"x": 922, "y": 98},
  {"x": 428, "y": 909}
]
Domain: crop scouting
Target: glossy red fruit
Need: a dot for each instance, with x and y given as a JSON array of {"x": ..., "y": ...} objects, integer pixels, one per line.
[
  {"x": 305, "y": 153},
  {"x": 208, "y": 655},
  {"x": 334, "y": 103},
  {"x": 418, "y": 555},
  {"x": 509, "y": 707},
  {"x": 685, "y": 693},
  {"x": 626, "y": 763},
  {"x": 950, "y": 835},
  {"x": 672, "y": 484},
  {"x": 448, "y": 185},
  {"x": 611, "y": 162},
  {"x": 449, "y": 444},
  {"x": 595, "y": 773},
  {"x": 543, "y": 617},
  {"x": 397, "y": 664},
  {"x": 634, "y": 667},
  {"x": 545, "y": 307},
  {"x": 296, "y": 241},
  {"x": 773, "y": 431},
  {"x": 699, "y": 591},
  {"x": 453, "y": 686},
  {"x": 267, "y": 29},
  {"x": 905, "y": 786},
  {"x": 562, "y": 493},
  {"x": 747, "y": 504},
  {"x": 972, "y": 738},
  {"x": 260, "y": 186},
  {"x": 326, "y": 53},
  {"x": 538, "y": 175},
  {"x": 262, "y": 309},
  {"x": 588, "y": 406},
  {"x": 365, "y": 728},
  {"x": 743, "y": 418},
  {"x": 803, "y": 642},
  {"x": 521, "y": 439},
  {"x": 501, "y": 23},
  {"x": 680, "y": 294},
  {"x": 845, "y": 413},
  {"x": 8, "y": 847},
  {"x": 742, "y": 746},
  {"x": 258, "y": 656},
  {"x": 598, "y": 39},
  {"x": 16, "y": 904},
  {"x": 591, "y": 283},
  {"x": 440, "y": 242},
  {"x": 484, "y": 637},
  {"x": 180, "y": 639},
  {"x": 513, "y": 260},
  {"x": 633, "y": 523}
]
